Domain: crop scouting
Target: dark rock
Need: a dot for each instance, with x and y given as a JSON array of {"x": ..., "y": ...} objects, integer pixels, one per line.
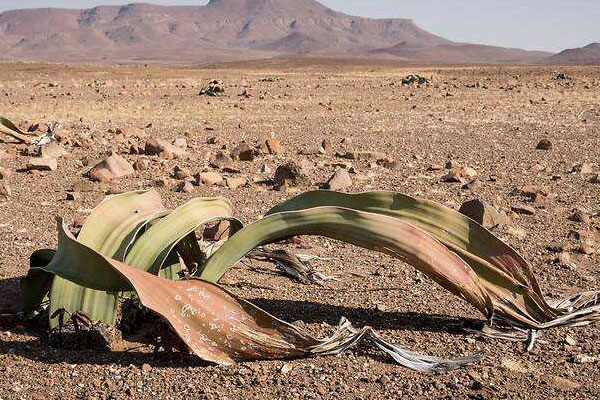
[
  {"x": 483, "y": 213},
  {"x": 544, "y": 144}
]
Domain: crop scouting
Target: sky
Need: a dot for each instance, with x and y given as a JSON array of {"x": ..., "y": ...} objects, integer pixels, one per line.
[{"x": 550, "y": 25}]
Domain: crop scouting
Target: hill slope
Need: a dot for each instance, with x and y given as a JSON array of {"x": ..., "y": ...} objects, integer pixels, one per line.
[
  {"x": 226, "y": 30},
  {"x": 589, "y": 54}
]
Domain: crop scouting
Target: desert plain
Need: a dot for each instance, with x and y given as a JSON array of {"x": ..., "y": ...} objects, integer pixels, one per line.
[{"x": 489, "y": 119}]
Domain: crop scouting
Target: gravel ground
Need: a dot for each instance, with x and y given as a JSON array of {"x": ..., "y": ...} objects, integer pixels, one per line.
[{"x": 487, "y": 118}]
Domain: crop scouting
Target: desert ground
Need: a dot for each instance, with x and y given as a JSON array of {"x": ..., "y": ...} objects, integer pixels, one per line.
[{"x": 487, "y": 118}]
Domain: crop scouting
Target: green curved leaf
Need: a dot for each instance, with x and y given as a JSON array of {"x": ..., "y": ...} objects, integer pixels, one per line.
[
  {"x": 507, "y": 274},
  {"x": 152, "y": 248},
  {"x": 369, "y": 230},
  {"x": 110, "y": 230}
]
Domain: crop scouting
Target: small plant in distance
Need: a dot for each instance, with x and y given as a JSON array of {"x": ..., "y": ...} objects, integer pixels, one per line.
[
  {"x": 214, "y": 88},
  {"x": 131, "y": 246},
  {"x": 414, "y": 80}
]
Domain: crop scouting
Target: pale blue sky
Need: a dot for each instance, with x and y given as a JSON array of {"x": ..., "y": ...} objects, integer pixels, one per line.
[{"x": 551, "y": 25}]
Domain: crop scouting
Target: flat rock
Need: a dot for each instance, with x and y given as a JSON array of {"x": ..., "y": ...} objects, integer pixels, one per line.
[
  {"x": 523, "y": 209},
  {"x": 52, "y": 150},
  {"x": 234, "y": 183},
  {"x": 42, "y": 164},
  {"x": 208, "y": 178},
  {"x": 112, "y": 167}
]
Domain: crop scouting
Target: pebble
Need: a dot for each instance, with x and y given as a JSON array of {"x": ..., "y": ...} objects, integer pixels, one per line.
[{"x": 544, "y": 144}]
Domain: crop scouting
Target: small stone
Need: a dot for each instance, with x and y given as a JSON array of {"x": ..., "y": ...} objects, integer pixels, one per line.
[
  {"x": 325, "y": 147},
  {"x": 587, "y": 248},
  {"x": 460, "y": 174},
  {"x": 71, "y": 196},
  {"x": 216, "y": 232},
  {"x": 435, "y": 167},
  {"x": 483, "y": 213},
  {"x": 583, "y": 169},
  {"x": 387, "y": 162},
  {"x": 560, "y": 383},
  {"x": 141, "y": 165},
  {"x": 180, "y": 143},
  {"x": 220, "y": 160},
  {"x": 570, "y": 341},
  {"x": 584, "y": 359},
  {"x": 146, "y": 367},
  {"x": 243, "y": 152},
  {"x": 564, "y": 258},
  {"x": 5, "y": 191},
  {"x": 346, "y": 142},
  {"x": 5, "y": 173},
  {"x": 537, "y": 168},
  {"x": 42, "y": 164},
  {"x": 273, "y": 146},
  {"x": 234, "y": 183},
  {"x": 185, "y": 187},
  {"x": 523, "y": 209},
  {"x": 285, "y": 368},
  {"x": 162, "y": 148},
  {"x": 112, "y": 167},
  {"x": 292, "y": 172},
  {"x": 339, "y": 180},
  {"x": 208, "y": 178},
  {"x": 362, "y": 155},
  {"x": 580, "y": 216},
  {"x": 535, "y": 194},
  {"x": 595, "y": 178},
  {"x": 544, "y": 144},
  {"x": 166, "y": 183},
  {"x": 181, "y": 173},
  {"x": 265, "y": 169}
]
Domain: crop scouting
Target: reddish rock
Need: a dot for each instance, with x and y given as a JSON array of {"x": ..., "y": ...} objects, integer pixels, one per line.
[
  {"x": 112, "y": 167},
  {"x": 216, "y": 232},
  {"x": 162, "y": 148},
  {"x": 460, "y": 174},
  {"x": 273, "y": 146},
  {"x": 208, "y": 178}
]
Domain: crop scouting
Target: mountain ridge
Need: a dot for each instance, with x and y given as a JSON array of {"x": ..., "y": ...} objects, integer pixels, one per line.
[{"x": 228, "y": 30}]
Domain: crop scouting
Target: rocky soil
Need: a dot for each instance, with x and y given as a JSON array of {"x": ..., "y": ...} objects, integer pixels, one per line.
[{"x": 519, "y": 140}]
